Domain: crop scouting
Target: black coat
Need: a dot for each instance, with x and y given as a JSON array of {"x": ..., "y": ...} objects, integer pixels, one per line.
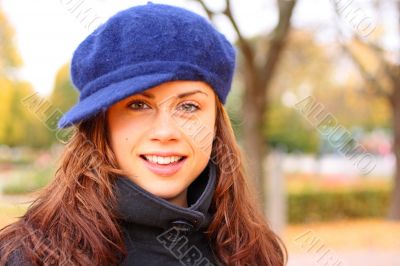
[{"x": 157, "y": 232}]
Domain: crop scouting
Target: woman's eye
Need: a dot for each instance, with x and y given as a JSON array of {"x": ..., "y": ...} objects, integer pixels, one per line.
[
  {"x": 137, "y": 105},
  {"x": 186, "y": 107},
  {"x": 189, "y": 107}
]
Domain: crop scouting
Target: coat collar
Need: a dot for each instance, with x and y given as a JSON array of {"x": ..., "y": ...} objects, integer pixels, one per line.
[{"x": 138, "y": 206}]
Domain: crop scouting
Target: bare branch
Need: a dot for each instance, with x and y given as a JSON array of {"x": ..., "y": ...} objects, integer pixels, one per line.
[
  {"x": 278, "y": 39},
  {"x": 243, "y": 43},
  {"x": 389, "y": 68},
  {"x": 209, "y": 12},
  {"x": 377, "y": 87},
  {"x": 228, "y": 13}
]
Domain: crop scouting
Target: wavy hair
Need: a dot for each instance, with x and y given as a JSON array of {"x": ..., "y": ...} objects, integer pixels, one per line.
[
  {"x": 72, "y": 220},
  {"x": 239, "y": 232}
]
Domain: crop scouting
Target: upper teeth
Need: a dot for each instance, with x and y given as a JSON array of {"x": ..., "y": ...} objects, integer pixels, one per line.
[{"x": 162, "y": 160}]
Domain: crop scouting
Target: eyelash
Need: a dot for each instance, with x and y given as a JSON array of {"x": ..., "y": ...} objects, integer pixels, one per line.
[{"x": 197, "y": 107}]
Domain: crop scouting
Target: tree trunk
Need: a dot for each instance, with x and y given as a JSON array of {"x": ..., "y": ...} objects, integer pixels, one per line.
[
  {"x": 257, "y": 78},
  {"x": 253, "y": 140}
]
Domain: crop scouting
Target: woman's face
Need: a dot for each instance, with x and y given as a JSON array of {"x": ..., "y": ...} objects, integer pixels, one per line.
[{"x": 150, "y": 130}]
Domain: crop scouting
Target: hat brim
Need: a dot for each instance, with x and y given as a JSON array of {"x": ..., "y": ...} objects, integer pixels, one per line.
[{"x": 107, "y": 96}]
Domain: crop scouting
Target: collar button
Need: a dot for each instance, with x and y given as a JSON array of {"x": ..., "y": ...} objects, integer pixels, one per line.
[{"x": 184, "y": 226}]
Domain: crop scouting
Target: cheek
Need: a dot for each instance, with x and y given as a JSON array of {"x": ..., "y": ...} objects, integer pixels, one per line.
[
  {"x": 200, "y": 133},
  {"x": 122, "y": 138}
]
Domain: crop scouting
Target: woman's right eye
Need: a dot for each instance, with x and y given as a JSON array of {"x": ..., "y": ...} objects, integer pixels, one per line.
[{"x": 137, "y": 105}]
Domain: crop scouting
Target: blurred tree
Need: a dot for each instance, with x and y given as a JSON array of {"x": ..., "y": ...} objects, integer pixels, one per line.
[
  {"x": 63, "y": 95},
  {"x": 257, "y": 67},
  {"x": 284, "y": 130},
  {"x": 303, "y": 57},
  {"x": 18, "y": 125},
  {"x": 311, "y": 67},
  {"x": 381, "y": 69},
  {"x": 9, "y": 56}
]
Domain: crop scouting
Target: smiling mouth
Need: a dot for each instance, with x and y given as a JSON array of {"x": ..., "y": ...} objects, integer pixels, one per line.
[
  {"x": 163, "y": 160},
  {"x": 164, "y": 166}
]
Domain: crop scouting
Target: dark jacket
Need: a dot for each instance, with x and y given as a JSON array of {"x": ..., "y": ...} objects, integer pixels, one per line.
[{"x": 157, "y": 232}]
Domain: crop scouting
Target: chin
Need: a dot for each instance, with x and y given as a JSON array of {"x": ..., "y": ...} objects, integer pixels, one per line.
[
  {"x": 166, "y": 193},
  {"x": 163, "y": 187},
  {"x": 165, "y": 190}
]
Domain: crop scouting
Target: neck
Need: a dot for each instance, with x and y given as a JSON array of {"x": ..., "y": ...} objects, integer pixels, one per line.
[{"x": 179, "y": 200}]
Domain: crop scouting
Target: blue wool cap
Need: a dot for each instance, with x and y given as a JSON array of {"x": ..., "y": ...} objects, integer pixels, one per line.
[{"x": 142, "y": 47}]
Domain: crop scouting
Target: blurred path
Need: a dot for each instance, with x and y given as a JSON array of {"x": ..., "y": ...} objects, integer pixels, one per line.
[
  {"x": 367, "y": 257},
  {"x": 15, "y": 199},
  {"x": 367, "y": 242}
]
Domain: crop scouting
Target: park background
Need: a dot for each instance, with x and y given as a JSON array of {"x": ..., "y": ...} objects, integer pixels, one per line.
[{"x": 315, "y": 105}]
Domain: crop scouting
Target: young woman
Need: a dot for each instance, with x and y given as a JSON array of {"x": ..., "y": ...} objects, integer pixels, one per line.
[{"x": 153, "y": 174}]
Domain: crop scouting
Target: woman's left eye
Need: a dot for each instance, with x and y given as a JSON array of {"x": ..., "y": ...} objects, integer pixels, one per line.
[
  {"x": 189, "y": 107},
  {"x": 137, "y": 105}
]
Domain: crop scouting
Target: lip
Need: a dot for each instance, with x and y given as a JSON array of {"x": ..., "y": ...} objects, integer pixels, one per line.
[
  {"x": 164, "y": 154},
  {"x": 164, "y": 170}
]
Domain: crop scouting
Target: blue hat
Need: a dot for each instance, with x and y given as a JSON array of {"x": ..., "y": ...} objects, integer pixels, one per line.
[{"x": 144, "y": 46}]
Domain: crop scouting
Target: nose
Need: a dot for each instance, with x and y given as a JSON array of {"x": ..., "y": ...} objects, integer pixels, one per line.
[{"x": 164, "y": 127}]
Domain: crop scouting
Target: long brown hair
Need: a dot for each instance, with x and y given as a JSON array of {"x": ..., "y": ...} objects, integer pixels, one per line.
[{"x": 72, "y": 222}]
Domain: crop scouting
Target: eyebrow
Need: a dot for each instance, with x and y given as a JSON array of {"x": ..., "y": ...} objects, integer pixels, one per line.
[{"x": 181, "y": 95}]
